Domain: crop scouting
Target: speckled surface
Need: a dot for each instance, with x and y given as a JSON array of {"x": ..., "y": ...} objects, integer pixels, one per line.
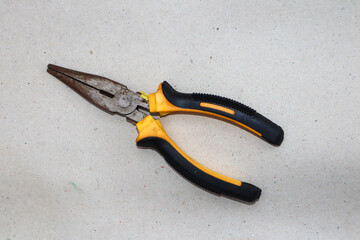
[{"x": 70, "y": 171}]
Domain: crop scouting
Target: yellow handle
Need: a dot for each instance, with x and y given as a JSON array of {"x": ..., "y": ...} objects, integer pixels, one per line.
[
  {"x": 158, "y": 103},
  {"x": 149, "y": 127},
  {"x": 152, "y": 134}
]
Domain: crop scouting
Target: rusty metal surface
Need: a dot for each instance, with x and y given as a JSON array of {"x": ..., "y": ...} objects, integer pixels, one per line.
[{"x": 107, "y": 94}]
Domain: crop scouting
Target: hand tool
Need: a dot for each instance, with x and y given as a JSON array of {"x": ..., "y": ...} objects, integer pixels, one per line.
[{"x": 145, "y": 110}]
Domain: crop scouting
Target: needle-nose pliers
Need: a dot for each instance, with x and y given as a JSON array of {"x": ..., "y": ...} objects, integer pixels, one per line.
[{"x": 145, "y": 110}]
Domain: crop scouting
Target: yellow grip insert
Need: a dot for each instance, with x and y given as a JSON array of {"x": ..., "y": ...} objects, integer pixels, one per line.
[
  {"x": 217, "y": 107},
  {"x": 149, "y": 127}
]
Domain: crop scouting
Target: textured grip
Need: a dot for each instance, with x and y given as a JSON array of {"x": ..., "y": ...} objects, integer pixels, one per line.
[
  {"x": 153, "y": 135},
  {"x": 224, "y": 108},
  {"x": 223, "y": 101},
  {"x": 245, "y": 192}
]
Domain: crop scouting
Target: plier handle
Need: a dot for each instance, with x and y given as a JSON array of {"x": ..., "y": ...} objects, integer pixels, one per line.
[{"x": 167, "y": 100}]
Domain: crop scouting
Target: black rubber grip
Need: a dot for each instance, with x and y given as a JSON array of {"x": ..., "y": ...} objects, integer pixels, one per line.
[
  {"x": 242, "y": 113},
  {"x": 246, "y": 192}
]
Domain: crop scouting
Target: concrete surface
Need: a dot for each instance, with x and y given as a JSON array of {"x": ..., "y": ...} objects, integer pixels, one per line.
[{"x": 70, "y": 171}]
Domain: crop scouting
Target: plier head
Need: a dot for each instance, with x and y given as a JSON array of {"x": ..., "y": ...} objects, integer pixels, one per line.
[{"x": 106, "y": 94}]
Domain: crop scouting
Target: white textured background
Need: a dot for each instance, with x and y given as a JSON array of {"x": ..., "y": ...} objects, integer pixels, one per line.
[{"x": 70, "y": 171}]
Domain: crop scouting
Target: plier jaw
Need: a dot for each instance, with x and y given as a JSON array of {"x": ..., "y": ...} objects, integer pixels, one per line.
[{"x": 106, "y": 94}]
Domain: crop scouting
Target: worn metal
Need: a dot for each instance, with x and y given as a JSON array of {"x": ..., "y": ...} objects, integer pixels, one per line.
[
  {"x": 107, "y": 94},
  {"x": 136, "y": 116}
]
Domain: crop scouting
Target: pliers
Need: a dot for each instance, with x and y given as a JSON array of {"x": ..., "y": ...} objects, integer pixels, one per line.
[{"x": 145, "y": 111}]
